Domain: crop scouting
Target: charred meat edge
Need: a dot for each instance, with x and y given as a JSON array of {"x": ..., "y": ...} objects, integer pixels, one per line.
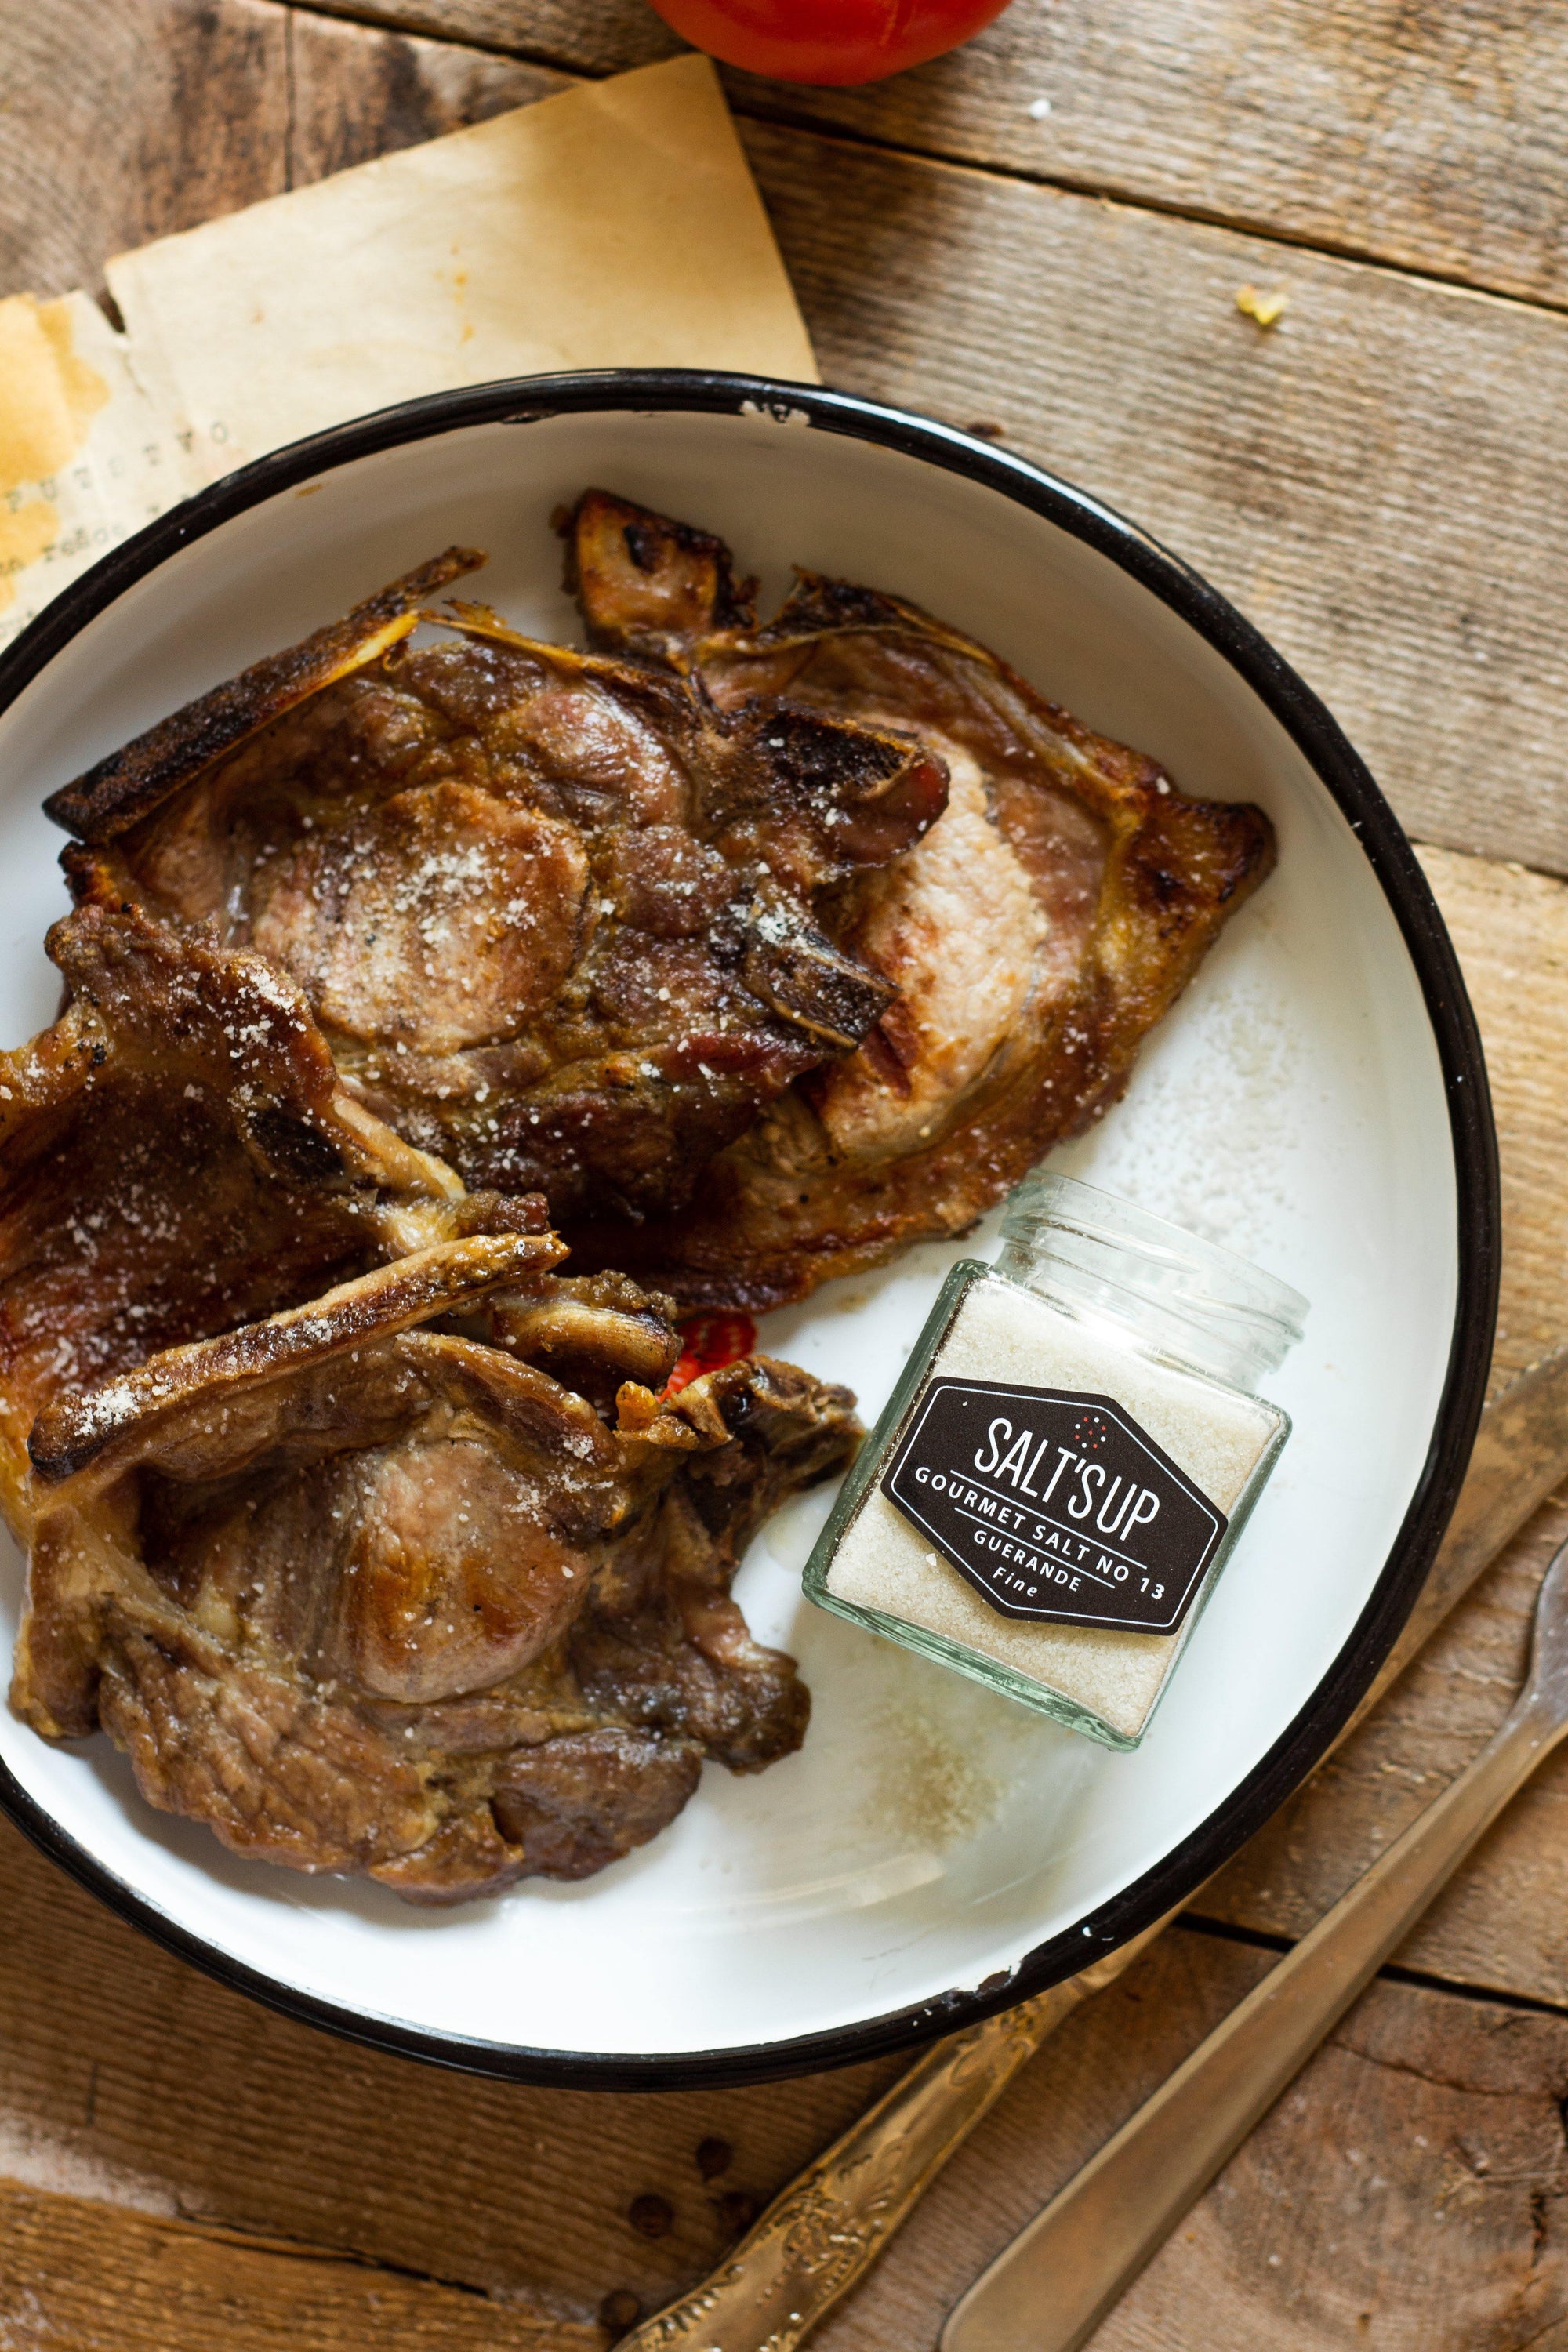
[
  {"x": 112, "y": 795},
  {"x": 73, "y": 1429}
]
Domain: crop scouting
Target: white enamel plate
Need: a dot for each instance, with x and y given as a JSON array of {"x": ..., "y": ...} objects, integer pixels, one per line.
[{"x": 1316, "y": 1100}]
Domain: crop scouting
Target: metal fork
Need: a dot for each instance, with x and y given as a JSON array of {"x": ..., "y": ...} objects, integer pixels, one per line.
[{"x": 1050, "y": 2289}]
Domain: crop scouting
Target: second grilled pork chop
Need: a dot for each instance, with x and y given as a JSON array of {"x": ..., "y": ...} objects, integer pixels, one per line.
[
  {"x": 372, "y": 1597},
  {"x": 410, "y": 1575},
  {"x": 1033, "y": 936}
]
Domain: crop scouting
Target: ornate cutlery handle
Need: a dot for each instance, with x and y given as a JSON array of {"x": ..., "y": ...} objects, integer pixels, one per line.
[{"x": 829, "y": 2225}]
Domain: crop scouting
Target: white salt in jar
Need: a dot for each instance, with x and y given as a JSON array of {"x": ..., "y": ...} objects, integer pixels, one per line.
[{"x": 1063, "y": 1470}]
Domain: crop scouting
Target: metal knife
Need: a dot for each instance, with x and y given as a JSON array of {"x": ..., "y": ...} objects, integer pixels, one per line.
[{"x": 823, "y": 2233}]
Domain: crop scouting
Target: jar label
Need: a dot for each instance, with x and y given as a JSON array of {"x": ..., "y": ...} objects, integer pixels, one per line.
[{"x": 1054, "y": 1506}]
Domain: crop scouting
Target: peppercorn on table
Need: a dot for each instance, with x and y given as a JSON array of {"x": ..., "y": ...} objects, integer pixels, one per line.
[{"x": 1287, "y": 283}]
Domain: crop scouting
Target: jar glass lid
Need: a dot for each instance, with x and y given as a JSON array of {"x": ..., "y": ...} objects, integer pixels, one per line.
[{"x": 1184, "y": 1294}]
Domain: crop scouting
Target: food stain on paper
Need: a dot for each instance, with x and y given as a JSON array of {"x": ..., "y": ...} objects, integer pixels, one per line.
[
  {"x": 48, "y": 398},
  {"x": 22, "y": 539}
]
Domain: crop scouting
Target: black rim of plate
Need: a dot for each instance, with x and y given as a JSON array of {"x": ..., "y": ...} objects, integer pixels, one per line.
[{"x": 528, "y": 400}]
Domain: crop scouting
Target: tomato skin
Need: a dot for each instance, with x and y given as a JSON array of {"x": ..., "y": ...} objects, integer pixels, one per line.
[{"x": 828, "y": 40}]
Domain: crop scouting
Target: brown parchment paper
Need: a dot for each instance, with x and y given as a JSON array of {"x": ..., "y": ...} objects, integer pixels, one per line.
[{"x": 614, "y": 226}]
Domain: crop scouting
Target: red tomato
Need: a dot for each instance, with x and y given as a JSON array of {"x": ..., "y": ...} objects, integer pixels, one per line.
[{"x": 828, "y": 40}]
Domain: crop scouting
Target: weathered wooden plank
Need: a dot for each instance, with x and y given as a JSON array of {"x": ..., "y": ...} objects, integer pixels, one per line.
[
  {"x": 99, "y": 2279},
  {"x": 1500, "y": 1923},
  {"x": 199, "y": 104},
  {"x": 1382, "y": 480},
  {"x": 1406, "y": 2194},
  {"x": 221, "y": 106},
  {"x": 609, "y": 37},
  {"x": 1432, "y": 138},
  {"x": 357, "y": 94},
  {"x": 1512, "y": 932},
  {"x": 1424, "y": 2149}
]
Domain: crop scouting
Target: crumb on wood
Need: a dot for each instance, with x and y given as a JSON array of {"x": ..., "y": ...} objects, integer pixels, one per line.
[{"x": 1267, "y": 309}]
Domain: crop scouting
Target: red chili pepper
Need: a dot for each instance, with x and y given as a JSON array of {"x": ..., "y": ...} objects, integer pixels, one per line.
[{"x": 710, "y": 1341}]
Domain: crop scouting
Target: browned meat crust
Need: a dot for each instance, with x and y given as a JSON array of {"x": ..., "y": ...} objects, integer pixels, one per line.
[
  {"x": 592, "y": 1333},
  {"x": 560, "y": 919},
  {"x": 388, "y": 1600},
  {"x": 122, "y": 788},
  {"x": 1035, "y": 935},
  {"x": 646, "y": 584},
  {"x": 177, "y": 1158}
]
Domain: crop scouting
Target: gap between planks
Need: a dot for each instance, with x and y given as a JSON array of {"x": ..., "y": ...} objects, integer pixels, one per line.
[
  {"x": 75, "y": 2270},
  {"x": 1257, "y": 1940}
]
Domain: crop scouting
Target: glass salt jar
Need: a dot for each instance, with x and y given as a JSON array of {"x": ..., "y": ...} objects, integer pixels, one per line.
[{"x": 1065, "y": 1466}]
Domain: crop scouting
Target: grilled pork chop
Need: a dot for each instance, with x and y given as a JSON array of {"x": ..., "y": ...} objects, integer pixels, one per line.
[
  {"x": 559, "y": 917},
  {"x": 363, "y": 1593},
  {"x": 1029, "y": 940},
  {"x": 378, "y": 1599}
]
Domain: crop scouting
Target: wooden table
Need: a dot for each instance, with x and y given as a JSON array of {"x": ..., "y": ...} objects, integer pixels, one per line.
[{"x": 1381, "y": 481}]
